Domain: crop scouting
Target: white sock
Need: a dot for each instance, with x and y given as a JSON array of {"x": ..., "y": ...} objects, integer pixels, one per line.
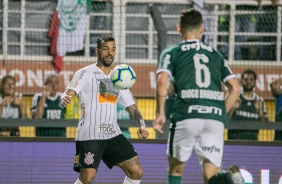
[
  {"x": 127, "y": 180},
  {"x": 78, "y": 181}
]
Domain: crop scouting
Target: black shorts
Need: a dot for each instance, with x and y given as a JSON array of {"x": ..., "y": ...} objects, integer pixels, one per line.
[{"x": 112, "y": 151}]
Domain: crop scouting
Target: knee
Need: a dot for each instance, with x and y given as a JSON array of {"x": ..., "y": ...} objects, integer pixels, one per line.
[
  {"x": 136, "y": 173},
  {"x": 87, "y": 175},
  {"x": 87, "y": 179}
]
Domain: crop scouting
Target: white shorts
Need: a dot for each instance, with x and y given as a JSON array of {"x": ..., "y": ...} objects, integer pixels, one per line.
[{"x": 205, "y": 135}]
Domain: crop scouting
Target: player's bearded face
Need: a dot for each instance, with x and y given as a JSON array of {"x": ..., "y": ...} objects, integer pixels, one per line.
[
  {"x": 106, "y": 53},
  {"x": 248, "y": 82}
]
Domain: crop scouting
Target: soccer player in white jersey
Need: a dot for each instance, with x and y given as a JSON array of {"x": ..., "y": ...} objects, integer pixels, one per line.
[
  {"x": 98, "y": 135},
  {"x": 199, "y": 111}
]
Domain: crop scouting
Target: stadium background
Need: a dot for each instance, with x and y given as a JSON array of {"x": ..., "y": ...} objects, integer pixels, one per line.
[{"x": 25, "y": 52}]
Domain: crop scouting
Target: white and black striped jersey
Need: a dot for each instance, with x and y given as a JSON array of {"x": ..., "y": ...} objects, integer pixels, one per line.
[{"x": 98, "y": 99}]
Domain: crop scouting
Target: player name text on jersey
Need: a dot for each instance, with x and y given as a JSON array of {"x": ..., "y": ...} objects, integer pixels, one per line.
[{"x": 202, "y": 94}]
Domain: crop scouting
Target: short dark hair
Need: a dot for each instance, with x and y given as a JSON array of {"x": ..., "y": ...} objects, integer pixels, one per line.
[
  {"x": 49, "y": 77},
  {"x": 249, "y": 71},
  {"x": 4, "y": 79},
  {"x": 190, "y": 19},
  {"x": 104, "y": 38}
]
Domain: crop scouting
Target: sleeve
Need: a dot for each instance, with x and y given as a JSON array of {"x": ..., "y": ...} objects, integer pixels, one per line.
[
  {"x": 35, "y": 100},
  {"x": 78, "y": 81},
  {"x": 165, "y": 64},
  {"x": 264, "y": 108},
  {"x": 125, "y": 98},
  {"x": 226, "y": 72}
]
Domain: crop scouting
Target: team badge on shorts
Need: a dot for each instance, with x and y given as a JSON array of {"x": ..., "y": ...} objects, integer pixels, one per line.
[{"x": 88, "y": 158}]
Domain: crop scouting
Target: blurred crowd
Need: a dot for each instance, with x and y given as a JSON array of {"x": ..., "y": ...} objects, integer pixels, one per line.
[{"x": 44, "y": 105}]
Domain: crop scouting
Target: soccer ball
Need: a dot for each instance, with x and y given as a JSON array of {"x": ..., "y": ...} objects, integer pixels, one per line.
[{"x": 123, "y": 76}]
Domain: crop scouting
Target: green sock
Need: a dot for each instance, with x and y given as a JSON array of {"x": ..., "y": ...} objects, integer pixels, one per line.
[{"x": 174, "y": 179}]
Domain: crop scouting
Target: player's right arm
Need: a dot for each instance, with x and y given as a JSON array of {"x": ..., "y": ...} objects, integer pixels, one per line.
[
  {"x": 233, "y": 93},
  {"x": 276, "y": 87},
  {"x": 165, "y": 67},
  {"x": 161, "y": 93},
  {"x": 74, "y": 86}
]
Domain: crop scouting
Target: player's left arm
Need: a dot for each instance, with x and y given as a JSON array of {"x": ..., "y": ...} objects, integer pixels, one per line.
[{"x": 136, "y": 115}]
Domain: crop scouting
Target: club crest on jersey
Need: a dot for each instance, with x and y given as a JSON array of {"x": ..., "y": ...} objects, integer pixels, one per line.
[{"x": 89, "y": 158}]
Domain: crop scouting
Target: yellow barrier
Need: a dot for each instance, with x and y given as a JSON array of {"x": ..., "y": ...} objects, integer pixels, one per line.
[{"x": 27, "y": 131}]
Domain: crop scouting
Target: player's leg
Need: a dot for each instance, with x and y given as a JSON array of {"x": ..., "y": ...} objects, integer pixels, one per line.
[
  {"x": 86, "y": 176},
  {"x": 180, "y": 146},
  {"x": 175, "y": 170},
  {"x": 87, "y": 159},
  {"x": 133, "y": 170},
  {"x": 210, "y": 170},
  {"x": 209, "y": 148},
  {"x": 121, "y": 152}
]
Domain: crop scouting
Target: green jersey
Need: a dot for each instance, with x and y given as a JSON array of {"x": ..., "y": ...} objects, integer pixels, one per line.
[
  {"x": 247, "y": 112},
  {"x": 52, "y": 110},
  {"x": 198, "y": 71}
]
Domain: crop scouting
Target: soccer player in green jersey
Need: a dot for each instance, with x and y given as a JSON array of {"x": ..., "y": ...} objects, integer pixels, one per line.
[
  {"x": 200, "y": 109},
  {"x": 248, "y": 107}
]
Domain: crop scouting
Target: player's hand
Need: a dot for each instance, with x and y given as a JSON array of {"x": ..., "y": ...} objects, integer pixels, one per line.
[
  {"x": 142, "y": 134},
  {"x": 7, "y": 101},
  {"x": 158, "y": 123},
  {"x": 258, "y": 104},
  {"x": 237, "y": 104},
  {"x": 66, "y": 99},
  {"x": 46, "y": 90}
]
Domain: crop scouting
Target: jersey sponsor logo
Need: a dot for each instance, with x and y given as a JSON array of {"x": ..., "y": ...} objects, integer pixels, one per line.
[
  {"x": 89, "y": 158},
  {"x": 202, "y": 94},
  {"x": 204, "y": 109},
  {"x": 197, "y": 46},
  {"x": 54, "y": 114},
  {"x": 106, "y": 128},
  {"x": 105, "y": 95},
  {"x": 247, "y": 114},
  {"x": 107, "y": 98},
  {"x": 211, "y": 149},
  {"x": 10, "y": 112}
]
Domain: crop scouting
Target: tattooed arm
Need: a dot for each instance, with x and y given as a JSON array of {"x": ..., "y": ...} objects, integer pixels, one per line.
[{"x": 136, "y": 115}]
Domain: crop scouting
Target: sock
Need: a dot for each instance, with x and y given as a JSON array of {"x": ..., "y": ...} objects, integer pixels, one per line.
[
  {"x": 174, "y": 179},
  {"x": 78, "y": 181},
  {"x": 127, "y": 180}
]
